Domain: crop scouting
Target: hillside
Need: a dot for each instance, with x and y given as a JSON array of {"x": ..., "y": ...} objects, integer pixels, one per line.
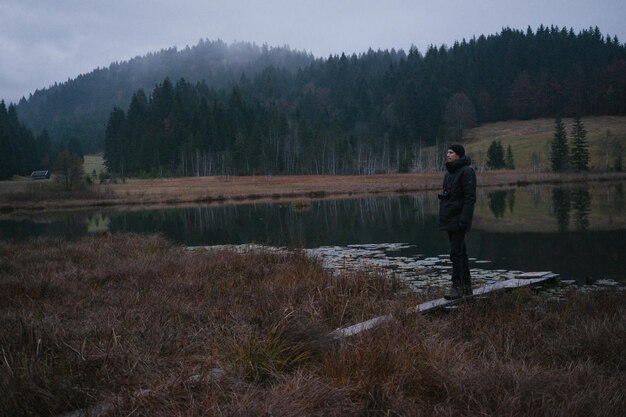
[
  {"x": 78, "y": 108},
  {"x": 375, "y": 96},
  {"x": 215, "y": 109},
  {"x": 605, "y": 134}
]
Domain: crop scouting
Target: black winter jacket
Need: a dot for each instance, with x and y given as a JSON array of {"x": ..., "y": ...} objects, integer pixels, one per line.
[{"x": 456, "y": 205}]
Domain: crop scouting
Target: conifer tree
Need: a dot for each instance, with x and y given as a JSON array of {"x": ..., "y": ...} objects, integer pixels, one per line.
[
  {"x": 580, "y": 147},
  {"x": 495, "y": 155},
  {"x": 558, "y": 150},
  {"x": 508, "y": 159}
]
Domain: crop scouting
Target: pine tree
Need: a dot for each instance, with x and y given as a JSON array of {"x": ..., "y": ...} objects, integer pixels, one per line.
[
  {"x": 508, "y": 159},
  {"x": 495, "y": 155},
  {"x": 559, "y": 154},
  {"x": 113, "y": 141},
  {"x": 580, "y": 147}
]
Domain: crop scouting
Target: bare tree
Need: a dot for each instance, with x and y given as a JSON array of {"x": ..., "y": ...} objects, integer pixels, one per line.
[
  {"x": 69, "y": 168},
  {"x": 460, "y": 114}
]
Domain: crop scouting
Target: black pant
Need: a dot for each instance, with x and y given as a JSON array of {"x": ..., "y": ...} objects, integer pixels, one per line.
[{"x": 461, "y": 277}]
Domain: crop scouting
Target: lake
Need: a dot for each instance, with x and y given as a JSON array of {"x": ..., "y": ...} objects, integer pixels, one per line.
[{"x": 576, "y": 231}]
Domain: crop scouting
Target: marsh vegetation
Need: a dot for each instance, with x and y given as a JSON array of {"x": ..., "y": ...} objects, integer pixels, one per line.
[{"x": 132, "y": 324}]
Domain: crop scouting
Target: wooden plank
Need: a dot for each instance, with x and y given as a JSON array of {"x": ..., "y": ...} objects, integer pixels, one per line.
[
  {"x": 538, "y": 274},
  {"x": 509, "y": 284},
  {"x": 360, "y": 327},
  {"x": 530, "y": 279}
]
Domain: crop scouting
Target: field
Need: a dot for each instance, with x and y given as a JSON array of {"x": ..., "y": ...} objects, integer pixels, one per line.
[
  {"x": 128, "y": 325},
  {"x": 534, "y": 136},
  {"x": 94, "y": 164}
]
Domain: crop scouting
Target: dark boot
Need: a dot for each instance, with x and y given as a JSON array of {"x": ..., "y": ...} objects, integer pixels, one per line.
[
  {"x": 454, "y": 294},
  {"x": 467, "y": 290}
]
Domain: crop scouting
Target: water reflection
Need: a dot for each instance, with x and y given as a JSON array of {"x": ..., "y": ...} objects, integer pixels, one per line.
[
  {"x": 566, "y": 200},
  {"x": 500, "y": 200},
  {"x": 574, "y": 231},
  {"x": 67, "y": 227},
  {"x": 561, "y": 208},
  {"x": 581, "y": 204},
  {"x": 333, "y": 222}
]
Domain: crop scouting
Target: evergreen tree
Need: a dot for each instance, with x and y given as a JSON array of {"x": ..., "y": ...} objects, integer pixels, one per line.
[
  {"x": 580, "y": 147},
  {"x": 44, "y": 150},
  {"x": 495, "y": 155},
  {"x": 508, "y": 159},
  {"x": 559, "y": 154},
  {"x": 114, "y": 141},
  {"x": 18, "y": 148}
]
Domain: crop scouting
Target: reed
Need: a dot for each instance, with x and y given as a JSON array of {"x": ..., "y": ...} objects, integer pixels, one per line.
[{"x": 132, "y": 325}]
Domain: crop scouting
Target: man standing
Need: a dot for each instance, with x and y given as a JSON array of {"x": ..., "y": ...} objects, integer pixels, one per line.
[{"x": 456, "y": 209}]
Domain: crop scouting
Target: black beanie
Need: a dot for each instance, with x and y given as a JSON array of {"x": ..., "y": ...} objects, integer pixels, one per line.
[{"x": 458, "y": 149}]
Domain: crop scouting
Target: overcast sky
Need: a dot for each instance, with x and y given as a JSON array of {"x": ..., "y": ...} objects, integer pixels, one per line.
[{"x": 48, "y": 41}]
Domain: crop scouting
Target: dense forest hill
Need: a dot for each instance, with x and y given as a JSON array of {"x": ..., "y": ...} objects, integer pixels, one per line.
[
  {"x": 374, "y": 112},
  {"x": 244, "y": 109},
  {"x": 78, "y": 108}
]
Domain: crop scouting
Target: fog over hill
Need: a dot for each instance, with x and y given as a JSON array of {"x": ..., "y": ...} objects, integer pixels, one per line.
[
  {"x": 78, "y": 108},
  {"x": 253, "y": 109}
]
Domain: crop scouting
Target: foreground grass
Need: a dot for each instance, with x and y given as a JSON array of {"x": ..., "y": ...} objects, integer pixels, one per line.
[{"x": 149, "y": 329}]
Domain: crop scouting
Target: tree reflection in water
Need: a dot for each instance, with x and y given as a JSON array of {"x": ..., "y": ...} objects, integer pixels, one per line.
[
  {"x": 593, "y": 245},
  {"x": 500, "y": 200},
  {"x": 564, "y": 200}
]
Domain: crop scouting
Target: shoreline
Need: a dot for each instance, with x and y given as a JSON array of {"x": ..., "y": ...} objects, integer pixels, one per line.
[{"x": 23, "y": 198}]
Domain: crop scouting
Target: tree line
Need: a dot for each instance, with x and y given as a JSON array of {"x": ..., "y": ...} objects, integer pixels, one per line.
[
  {"x": 374, "y": 112},
  {"x": 20, "y": 150},
  {"x": 245, "y": 109}
]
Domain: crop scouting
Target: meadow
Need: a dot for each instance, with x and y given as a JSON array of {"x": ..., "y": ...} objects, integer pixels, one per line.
[
  {"x": 530, "y": 141},
  {"x": 133, "y": 325}
]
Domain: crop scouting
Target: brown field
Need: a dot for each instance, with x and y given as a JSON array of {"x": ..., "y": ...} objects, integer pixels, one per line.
[
  {"x": 127, "y": 325},
  {"x": 19, "y": 197}
]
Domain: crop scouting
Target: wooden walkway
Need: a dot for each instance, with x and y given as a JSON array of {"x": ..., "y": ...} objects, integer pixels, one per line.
[{"x": 523, "y": 280}]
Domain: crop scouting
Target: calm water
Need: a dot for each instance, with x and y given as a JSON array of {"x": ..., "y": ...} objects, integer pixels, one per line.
[{"x": 578, "y": 232}]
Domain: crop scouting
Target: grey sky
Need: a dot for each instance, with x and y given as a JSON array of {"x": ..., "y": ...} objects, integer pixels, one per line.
[{"x": 48, "y": 41}]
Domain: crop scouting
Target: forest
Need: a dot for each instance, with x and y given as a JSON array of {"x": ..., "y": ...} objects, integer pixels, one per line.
[
  {"x": 21, "y": 151},
  {"x": 283, "y": 112}
]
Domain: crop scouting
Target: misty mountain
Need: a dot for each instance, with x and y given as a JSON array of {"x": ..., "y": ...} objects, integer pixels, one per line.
[
  {"x": 359, "y": 113},
  {"x": 78, "y": 108},
  {"x": 375, "y": 112}
]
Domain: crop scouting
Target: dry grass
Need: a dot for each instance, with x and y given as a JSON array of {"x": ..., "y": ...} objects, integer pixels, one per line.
[
  {"x": 94, "y": 163},
  {"x": 139, "y": 327},
  {"x": 24, "y": 197}
]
